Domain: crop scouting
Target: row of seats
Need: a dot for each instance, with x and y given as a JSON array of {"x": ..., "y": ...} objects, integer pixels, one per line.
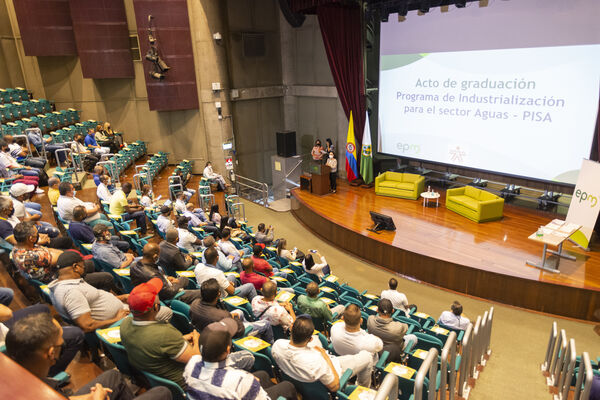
[
  {"x": 8, "y": 95},
  {"x": 23, "y": 109},
  {"x": 565, "y": 370},
  {"x": 146, "y": 173},
  {"x": 47, "y": 122}
]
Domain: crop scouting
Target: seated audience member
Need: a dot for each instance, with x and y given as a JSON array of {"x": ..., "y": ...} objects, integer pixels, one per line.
[
  {"x": 210, "y": 309},
  {"x": 164, "y": 222},
  {"x": 302, "y": 358},
  {"x": 74, "y": 299},
  {"x": 78, "y": 147},
  {"x": 198, "y": 219},
  {"x": 147, "y": 198},
  {"x": 171, "y": 257},
  {"x": 53, "y": 192},
  {"x": 224, "y": 263},
  {"x": 8, "y": 162},
  {"x": 102, "y": 190},
  {"x": 399, "y": 300},
  {"x": 154, "y": 346},
  {"x": 214, "y": 215},
  {"x": 146, "y": 268},
  {"x": 98, "y": 172},
  {"x": 208, "y": 269},
  {"x": 67, "y": 202},
  {"x": 85, "y": 234},
  {"x": 92, "y": 144},
  {"x": 228, "y": 248},
  {"x": 119, "y": 205},
  {"x": 312, "y": 305},
  {"x": 106, "y": 137},
  {"x": 392, "y": 333},
  {"x": 19, "y": 151},
  {"x": 261, "y": 265},
  {"x": 454, "y": 318},
  {"x": 34, "y": 134},
  {"x": 312, "y": 267},
  {"x": 72, "y": 336},
  {"x": 180, "y": 204},
  {"x": 209, "y": 377},
  {"x": 8, "y": 221},
  {"x": 249, "y": 276},
  {"x": 27, "y": 211},
  {"x": 290, "y": 255},
  {"x": 208, "y": 173},
  {"x": 348, "y": 338},
  {"x": 265, "y": 307},
  {"x": 40, "y": 262},
  {"x": 103, "y": 250},
  {"x": 265, "y": 235},
  {"x": 35, "y": 343},
  {"x": 6, "y": 173},
  {"x": 187, "y": 240}
]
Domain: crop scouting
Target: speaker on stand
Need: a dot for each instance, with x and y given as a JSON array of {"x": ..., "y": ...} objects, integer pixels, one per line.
[{"x": 286, "y": 143}]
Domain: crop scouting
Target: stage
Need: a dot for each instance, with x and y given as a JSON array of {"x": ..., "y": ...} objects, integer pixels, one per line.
[{"x": 442, "y": 248}]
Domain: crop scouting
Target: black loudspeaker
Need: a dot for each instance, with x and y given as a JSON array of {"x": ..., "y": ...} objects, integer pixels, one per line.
[
  {"x": 294, "y": 19},
  {"x": 286, "y": 143}
]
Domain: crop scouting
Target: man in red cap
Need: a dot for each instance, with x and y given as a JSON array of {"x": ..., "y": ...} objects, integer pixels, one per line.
[{"x": 154, "y": 346}]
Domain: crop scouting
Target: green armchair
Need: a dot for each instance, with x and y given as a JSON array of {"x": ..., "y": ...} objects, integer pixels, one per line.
[
  {"x": 475, "y": 204},
  {"x": 398, "y": 184}
]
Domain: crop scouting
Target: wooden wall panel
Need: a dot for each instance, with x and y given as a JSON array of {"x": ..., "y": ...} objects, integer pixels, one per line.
[
  {"x": 46, "y": 27},
  {"x": 178, "y": 90},
  {"x": 102, "y": 38}
]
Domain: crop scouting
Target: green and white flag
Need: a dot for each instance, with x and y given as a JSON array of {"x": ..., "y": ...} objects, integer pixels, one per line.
[{"x": 366, "y": 159}]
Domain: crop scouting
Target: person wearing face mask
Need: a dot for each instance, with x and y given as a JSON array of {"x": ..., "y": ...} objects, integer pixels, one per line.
[
  {"x": 8, "y": 162},
  {"x": 40, "y": 262},
  {"x": 78, "y": 147},
  {"x": 332, "y": 163},
  {"x": 317, "y": 151},
  {"x": 102, "y": 190},
  {"x": 105, "y": 251},
  {"x": 208, "y": 173},
  {"x": 38, "y": 344},
  {"x": 148, "y": 268}
]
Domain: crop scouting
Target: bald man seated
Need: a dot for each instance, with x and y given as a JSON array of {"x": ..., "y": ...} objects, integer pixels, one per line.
[{"x": 148, "y": 268}]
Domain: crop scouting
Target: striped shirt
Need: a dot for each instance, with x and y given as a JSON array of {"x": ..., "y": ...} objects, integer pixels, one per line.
[{"x": 216, "y": 381}]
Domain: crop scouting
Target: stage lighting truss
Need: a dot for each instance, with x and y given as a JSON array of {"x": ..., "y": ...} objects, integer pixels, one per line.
[{"x": 159, "y": 66}]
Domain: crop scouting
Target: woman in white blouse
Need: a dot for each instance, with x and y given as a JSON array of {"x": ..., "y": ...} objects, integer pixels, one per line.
[
  {"x": 314, "y": 263},
  {"x": 289, "y": 255},
  {"x": 102, "y": 191},
  {"x": 208, "y": 173}
]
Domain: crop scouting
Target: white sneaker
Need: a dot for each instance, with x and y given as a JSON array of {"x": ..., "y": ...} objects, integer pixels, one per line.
[{"x": 39, "y": 191}]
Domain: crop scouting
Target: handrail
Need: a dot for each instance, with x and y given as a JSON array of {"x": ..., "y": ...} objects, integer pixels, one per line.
[
  {"x": 448, "y": 359},
  {"x": 388, "y": 388},
  {"x": 428, "y": 367},
  {"x": 567, "y": 369},
  {"x": 585, "y": 368},
  {"x": 559, "y": 356},
  {"x": 68, "y": 152},
  {"x": 137, "y": 182},
  {"x": 550, "y": 349},
  {"x": 474, "y": 353},
  {"x": 259, "y": 188},
  {"x": 467, "y": 344},
  {"x": 112, "y": 171},
  {"x": 482, "y": 339}
]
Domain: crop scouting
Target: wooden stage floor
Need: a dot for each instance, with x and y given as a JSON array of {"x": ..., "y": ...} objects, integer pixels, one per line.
[{"x": 438, "y": 246}]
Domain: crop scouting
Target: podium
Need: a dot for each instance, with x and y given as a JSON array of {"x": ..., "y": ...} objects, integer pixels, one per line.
[{"x": 320, "y": 179}]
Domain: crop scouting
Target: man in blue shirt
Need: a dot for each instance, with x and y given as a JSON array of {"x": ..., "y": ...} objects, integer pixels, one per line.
[
  {"x": 34, "y": 134},
  {"x": 90, "y": 142},
  {"x": 82, "y": 232}
]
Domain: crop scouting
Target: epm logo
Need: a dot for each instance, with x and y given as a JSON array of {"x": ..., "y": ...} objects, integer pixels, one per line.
[
  {"x": 408, "y": 148},
  {"x": 585, "y": 196}
]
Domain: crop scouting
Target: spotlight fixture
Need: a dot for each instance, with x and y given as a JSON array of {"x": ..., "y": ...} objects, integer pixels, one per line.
[
  {"x": 403, "y": 10},
  {"x": 424, "y": 7},
  {"x": 461, "y": 3},
  {"x": 385, "y": 15}
]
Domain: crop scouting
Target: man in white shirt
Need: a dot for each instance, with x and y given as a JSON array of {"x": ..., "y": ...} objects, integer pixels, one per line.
[
  {"x": 454, "y": 318},
  {"x": 180, "y": 203},
  {"x": 399, "y": 300},
  {"x": 102, "y": 190},
  {"x": 302, "y": 358},
  {"x": 208, "y": 270},
  {"x": 224, "y": 263},
  {"x": 67, "y": 202},
  {"x": 229, "y": 248},
  {"x": 265, "y": 307},
  {"x": 187, "y": 240},
  {"x": 164, "y": 222}
]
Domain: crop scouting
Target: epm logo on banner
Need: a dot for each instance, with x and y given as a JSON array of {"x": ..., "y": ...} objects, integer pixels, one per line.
[{"x": 585, "y": 196}]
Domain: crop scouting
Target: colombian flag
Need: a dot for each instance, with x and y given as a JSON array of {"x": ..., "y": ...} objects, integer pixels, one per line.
[{"x": 351, "y": 163}]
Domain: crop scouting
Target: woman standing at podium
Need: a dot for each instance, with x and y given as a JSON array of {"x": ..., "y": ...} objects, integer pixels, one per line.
[
  {"x": 317, "y": 152},
  {"x": 332, "y": 163}
]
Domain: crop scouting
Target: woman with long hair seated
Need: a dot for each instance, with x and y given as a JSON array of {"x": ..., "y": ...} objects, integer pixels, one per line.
[{"x": 314, "y": 263}]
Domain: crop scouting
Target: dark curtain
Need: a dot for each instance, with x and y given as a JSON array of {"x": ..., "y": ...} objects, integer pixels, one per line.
[{"x": 341, "y": 31}]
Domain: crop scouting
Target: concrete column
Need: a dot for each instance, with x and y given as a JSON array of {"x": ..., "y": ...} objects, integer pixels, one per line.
[{"x": 288, "y": 45}]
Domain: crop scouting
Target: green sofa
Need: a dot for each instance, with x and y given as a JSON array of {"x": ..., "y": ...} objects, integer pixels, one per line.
[
  {"x": 398, "y": 184},
  {"x": 475, "y": 204}
]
